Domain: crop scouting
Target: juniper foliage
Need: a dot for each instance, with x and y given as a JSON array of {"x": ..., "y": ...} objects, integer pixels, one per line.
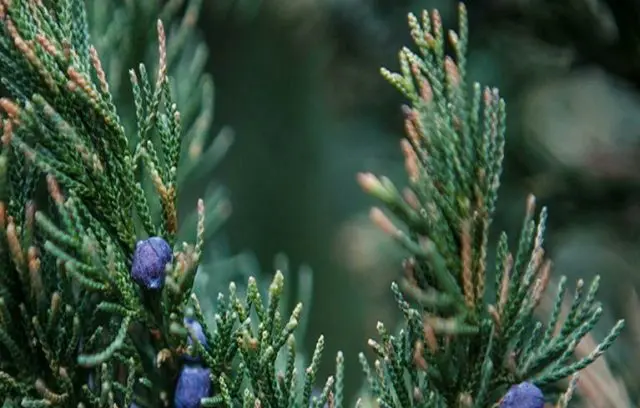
[
  {"x": 461, "y": 346},
  {"x": 122, "y": 31},
  {"x": 75, "y": 330}
]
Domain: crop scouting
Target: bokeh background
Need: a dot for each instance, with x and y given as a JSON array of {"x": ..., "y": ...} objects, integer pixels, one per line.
[{"x": 297, "y": 84}]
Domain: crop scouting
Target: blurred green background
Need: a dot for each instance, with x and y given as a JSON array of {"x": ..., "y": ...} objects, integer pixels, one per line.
[{"x": 298, "y": 83}]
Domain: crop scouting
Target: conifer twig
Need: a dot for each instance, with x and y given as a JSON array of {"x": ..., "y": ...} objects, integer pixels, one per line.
[{"x": 457, "y": 347}]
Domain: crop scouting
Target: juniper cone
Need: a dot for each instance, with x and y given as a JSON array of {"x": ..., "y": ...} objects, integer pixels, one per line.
[
  {"x": 523, "y": 395},
  {"x": 193, "y": 385},
  {"x": 196, "y": 328},
  {"x": 149, "y": 264}
]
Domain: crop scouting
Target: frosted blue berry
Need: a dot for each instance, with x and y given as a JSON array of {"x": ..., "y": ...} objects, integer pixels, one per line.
[
  {"x": 317, "y": 393},
  {"x": 196, "y": 327},
  {"x": 91, "y": 383},
  {"x": 193, "y": 385},
  {"x": 150, "y": 259},
  {"x": 523, "y": 395}
]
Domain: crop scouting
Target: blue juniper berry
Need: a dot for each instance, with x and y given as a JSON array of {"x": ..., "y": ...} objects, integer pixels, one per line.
[
  {"x": 150, "y": 260},
  {"x": 316, "y": 393},
  {"x": 193, "y": 385},
  {"x": 196, "y": 327},
  {"x": 523, "y": 395}
]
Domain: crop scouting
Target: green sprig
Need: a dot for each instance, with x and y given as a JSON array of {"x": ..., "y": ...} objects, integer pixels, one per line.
[{"x": 457, "y": 348}]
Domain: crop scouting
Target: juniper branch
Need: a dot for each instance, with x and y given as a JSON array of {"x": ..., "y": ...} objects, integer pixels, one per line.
[{"x": 456, "y": 348}]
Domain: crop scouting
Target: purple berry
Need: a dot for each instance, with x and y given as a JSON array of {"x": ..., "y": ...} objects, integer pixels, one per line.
[
  {"x": 196, "y": 327},
  {"x": 316, "y": 392},
  {"x": 150, "y": 260},
  {"x": 193, "y": 385},
  {"x": 91, "y": 383},
  {"x": 523, "y": 395}
]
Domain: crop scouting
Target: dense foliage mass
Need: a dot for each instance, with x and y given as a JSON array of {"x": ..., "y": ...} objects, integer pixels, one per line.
[{"x": 96, "y": 292}]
